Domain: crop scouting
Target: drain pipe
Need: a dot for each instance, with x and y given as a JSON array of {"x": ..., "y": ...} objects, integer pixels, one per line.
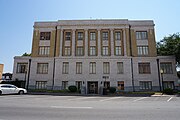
[{"x": 132, "y": 71}]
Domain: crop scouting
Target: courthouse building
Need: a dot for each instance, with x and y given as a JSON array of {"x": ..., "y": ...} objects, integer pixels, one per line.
[{"x": 93, "y": 54}]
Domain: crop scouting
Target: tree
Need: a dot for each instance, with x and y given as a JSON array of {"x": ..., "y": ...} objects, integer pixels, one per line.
[
  {"x": 26, "y": 54},
  {"x": 170, "y": 46}
]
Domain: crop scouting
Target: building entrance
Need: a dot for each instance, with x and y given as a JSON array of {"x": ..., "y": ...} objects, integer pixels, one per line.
[{"x": 93, "y": 87}]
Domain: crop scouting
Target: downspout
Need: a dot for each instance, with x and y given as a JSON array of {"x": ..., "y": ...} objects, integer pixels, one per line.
[
  {"x": 132, "y": 71},
  {"x": 54, "y": 59},
  {"x": 29, "y": 68},
  {"x": 159, "y": 75}
]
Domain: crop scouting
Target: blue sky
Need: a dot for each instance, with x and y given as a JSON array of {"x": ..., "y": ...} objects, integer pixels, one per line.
[{"x": 18, "y": 16}]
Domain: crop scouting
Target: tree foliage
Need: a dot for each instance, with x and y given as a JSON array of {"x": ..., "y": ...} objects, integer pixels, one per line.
[
  {"x": 170, "y": 46},
  {"x": 26, "y": 54}
]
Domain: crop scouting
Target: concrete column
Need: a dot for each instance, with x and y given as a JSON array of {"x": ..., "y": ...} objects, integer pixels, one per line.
[
  {"x": 73, "y": 42},
  {"x": 99, "y": 42},
  {"x": 86, "y": 43},
  {"x": 124, "y": 41},
  {"x": 112, "y": 42}
]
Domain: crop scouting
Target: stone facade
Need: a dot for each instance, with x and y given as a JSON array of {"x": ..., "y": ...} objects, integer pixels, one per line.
[{"x": 119, "y": 53}]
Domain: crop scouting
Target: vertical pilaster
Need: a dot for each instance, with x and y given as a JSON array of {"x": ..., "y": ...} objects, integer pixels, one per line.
[
  {"x": 61, "y": 42},
  {"x": 86, "y": 43},
  {"x": 124, "y": 42},
  {"x": 73, "y": 42},
  {"x": 112, "y": 42},
  {"x": 99, "y": 42}
]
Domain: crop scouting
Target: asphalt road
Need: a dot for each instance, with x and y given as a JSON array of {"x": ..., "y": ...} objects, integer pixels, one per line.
[{"x": 46, "y": 107}]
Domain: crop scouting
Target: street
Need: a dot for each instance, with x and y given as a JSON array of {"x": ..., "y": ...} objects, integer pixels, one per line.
[{"x": 47, "y": 107}]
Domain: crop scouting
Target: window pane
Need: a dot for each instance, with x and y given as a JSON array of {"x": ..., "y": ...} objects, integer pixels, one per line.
[
  {"x": 92, "y": 51},
  {"x": 68, "y": 36},
  {"x": 117, "y": 36},
  {"x": 119, "y": 67},
  {"x": 79, "y": 68},
  {"x": 105, "y": 36},
  {"x": 92, "y": 68},
  {"x": 42, "y": 68},
  {"x": 105, "y": 50},
  {"x": 118, "y": 50},
  {"x": 65, "y": 68},
  {"x": 80, "y": 51},
  {"x": 45, "y": 35},
  {"x": 44, "y": 50},
  {"x": 141, "y": 35},
  {"x": 144, "y": 68},
  {"x": 80, "y": 35},
  {"x": 92, "y": 36},
  {"x": 106, "y": 68},
  {"x": 22, "y": 67},
  {"x": 167, "y": 68},
  {"x": 145, "y": 85}
]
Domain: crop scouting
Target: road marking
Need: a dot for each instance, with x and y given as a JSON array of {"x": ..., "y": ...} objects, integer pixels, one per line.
[
  {"x": 81, "y": 98},
  {"x": 169, "y": 99},
  {"x": 65, "y": 107},
  {"x": 139, "y": 99},
  {"x": 109, "y": 99}
]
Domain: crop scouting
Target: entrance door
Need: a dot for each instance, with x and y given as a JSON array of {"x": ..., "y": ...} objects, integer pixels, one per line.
[{"x": 93, "y": 87}]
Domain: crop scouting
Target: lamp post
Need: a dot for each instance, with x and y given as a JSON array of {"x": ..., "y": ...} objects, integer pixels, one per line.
[{"x": 162, "y": 72}]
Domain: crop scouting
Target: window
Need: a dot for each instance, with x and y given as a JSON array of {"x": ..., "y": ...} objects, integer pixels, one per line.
[
  {"x": 118, "y": 50},
  {"x": 143, "y": 50},
  {"x": 145, "y": 85},
  {"x": 106, "y": 67},
  {"x": 67, "y": 51},
  {"x": 166, "y": 67},
  {"x": 79, "y": 51},
  {"x": 92, "y": 51},
  {"x": 168, "y": 84},
  {"x": 107, "y": 84},
  {"x": 79, "y": 85},
  {"x": 105, "y": 51},
  {"x": 117, "y": 36},
  {"x": 65, "y": 69},
  {"x": 120, "y": 85},
  {"x": 80, "y": 35},
  {"x": 141, "y": 35},
  {"x": 92, "y": 36},
  {"x": 119, "y": 67},
  {"x": 144, "y": 68},
  {"x": 41, "y": 84},
  {"x": 44, "y": 50},
  {"x": 45, "y": 35},
  {"x": 79, "y": 68},
  {"x": 64, "y": 85},
  {"x": 22, "y": 67},
  {"x": 105, "y": 36},
  {"x": 42, "y": 68},
  {"x": 67, "y": 35},
  {"x": 92, "y": 68}
]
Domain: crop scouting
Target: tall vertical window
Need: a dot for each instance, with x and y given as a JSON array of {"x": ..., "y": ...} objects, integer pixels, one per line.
[
  {"x": 79, "y": 51},
  {"x": 144, "y": 68},
  {"x": 92, "y": 68},
  {"x": 118, "y": 50},
  {"x": 145, "y": 85},
  {"x": 41, "y": 84},
  {"x": 67, "y": 35},
  {"x": 67, "y": 51},
  {"x": 45, "y": 35},
  {"x": 105, "y": 50},
  {"x": 64, "y": 84},
  {"x": 65, "y": 69},
  {"x": 92, "y": 36},
  {"x": 166, "y": 67},
  {"x": 22, "y": 67},
  {"x": 79, "y": 84},
  {"x": 92, "y": 51},
  {"x": 117, "y": 36},
  {"x": 141, "y": 35},
  {"x": 120, "y": 68},
  {"x": 106, "y": 67},
  {"x": 79, "y": 68},
  {"x": 42, "y": 68},
  {"x": 104, "y": 36},
  {"x": 80, "y": 35},
  {"x": 44, "y": 50},
  {"x": 143, "y": 50}
]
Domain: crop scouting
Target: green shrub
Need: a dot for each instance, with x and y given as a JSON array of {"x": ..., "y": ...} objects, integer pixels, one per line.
[
  {"x": 112, "y": 89},
  {"x": 72, "y": 88},
  {"x": 168, "y": 91}
]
